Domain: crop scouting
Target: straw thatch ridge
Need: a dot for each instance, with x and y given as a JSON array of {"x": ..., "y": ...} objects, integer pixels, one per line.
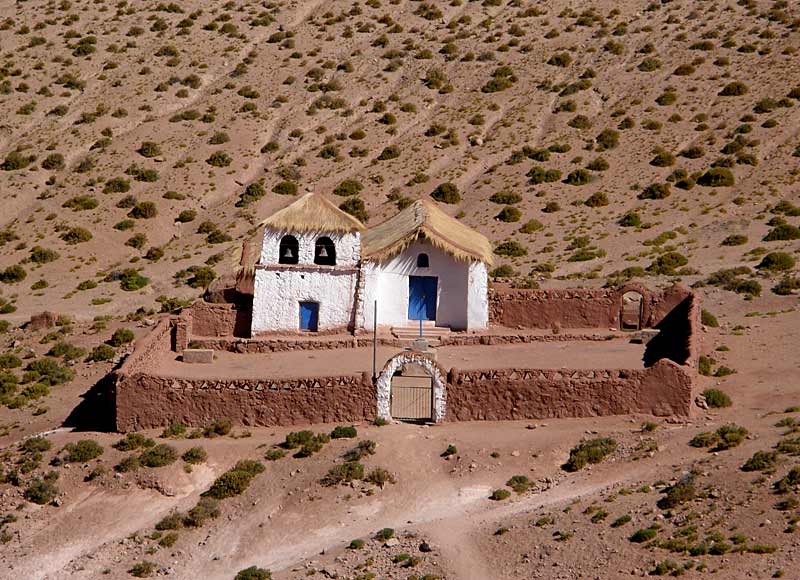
[
  {"x": 313, "y": 213},
  {"x": 424, "y": 219}
]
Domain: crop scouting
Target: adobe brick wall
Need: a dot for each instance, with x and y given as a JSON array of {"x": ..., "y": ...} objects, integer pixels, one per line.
[
  {"x": 511, "y": 394},
  {"x": 578, "y": 307},
  {"x": 145, "y": 401}
]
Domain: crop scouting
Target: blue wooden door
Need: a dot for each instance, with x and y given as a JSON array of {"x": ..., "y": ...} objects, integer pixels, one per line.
[
  {"x": 422, "y": 297},
  {"x": 309, "y": 316}
]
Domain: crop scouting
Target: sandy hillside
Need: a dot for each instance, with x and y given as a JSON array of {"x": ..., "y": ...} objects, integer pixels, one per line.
[{"x": 141, "y": 141}]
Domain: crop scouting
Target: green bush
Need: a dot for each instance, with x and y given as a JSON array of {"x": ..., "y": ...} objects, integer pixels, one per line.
[
  {"x": 76, "y": 236},
  {"x": 253, "y": 573},
  {"x": 509, "y": 214},
  {"x": 361, "y": 450},
  {"x": 776, "y": 262},
  {"x": 761, "y": 461},
  {"x": 49, "y": 370},
  {"x": 708, "y": 319},
  {"x": 380, "y": 477},
  {"x": 234, "y": 481},
  {"x": 655, "y": 191},
  {"x": 82, "y": 451},
  {"x": 66, "y": 351},
  {"x": 342, "y": 432},
  {"x": 589, "y": 451},
  {"x": 716, "y": 398},
  {"x": 643, "y": 535},
  {"x": 195, "y": 455},
  {"x": 384, "y": 534},
  {"x": 531, "y": 226},
  {"x": 348, "y": 187},
  {"x": 717, "y": 177},
  {"x": 285, "y": 188},
  {"x": 121, "y": 336},
  {"x": 275, "y": 454},
  {"x": 133, "y": 441},
  {"x": 665, "y": 264},
  {"x": 705, "y": 439},
  {"x": 505, "y": 197},
  {"x": 502, "y": 78},
  {"x": 37, "y": 444},
  {"x": 9, "y": 361},
  {"x": 500, "y": 494},
  {"x": 578, "y": 177},
  {"x": 142, "y": 569},
  {"x": 734, "y": 240},
  {"x": 630, "y": 220},
  {"x": 446, "y": 193},
  {"x": 356, "y": 208},
  {"x": 344, "y": 473},
  {"x": 730, "y": 436},
  {"x": 783, "y": 232},
  {"x": 219, "y": 159},
  {"x": 607, "y": 139},
  {"x": 159, "y": 456},
  {"x": 218, "y": 428},
  {"x": 143, "y": 210},
  {"x": 678, "y": 494},
  {"x": 149, "y": 149},
  {"x": 733, "y": 89},
  {"x": 40, "y": 491},
  {"x": 511, "y": 249},
  {"x": 598, "y": 199},
  {"x": 790, "y": 482},
  {"x": 206, "y": 509},
  {"x": 172, "y": 521},
  {"x": 519, "y": 483}
]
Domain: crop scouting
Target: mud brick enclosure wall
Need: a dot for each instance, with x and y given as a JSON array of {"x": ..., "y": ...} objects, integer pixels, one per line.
[{"x": 145, "y": 399}]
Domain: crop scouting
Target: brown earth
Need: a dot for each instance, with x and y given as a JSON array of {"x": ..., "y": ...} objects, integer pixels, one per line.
[{"x": 97, "y": 107}]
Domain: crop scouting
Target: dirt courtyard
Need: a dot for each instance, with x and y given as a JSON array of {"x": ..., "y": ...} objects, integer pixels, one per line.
[{"x": 609, "y": 354}]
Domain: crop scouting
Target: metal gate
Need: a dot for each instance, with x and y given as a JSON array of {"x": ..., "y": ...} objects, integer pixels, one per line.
[{"x": 412, "y": 398}]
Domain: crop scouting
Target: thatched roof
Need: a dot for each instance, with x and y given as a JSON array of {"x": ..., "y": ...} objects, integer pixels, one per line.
[
  {"x": 313, "y": 213},
  {"x": 423, "y": 219}
]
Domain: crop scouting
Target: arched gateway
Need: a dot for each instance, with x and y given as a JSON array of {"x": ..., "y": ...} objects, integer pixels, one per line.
[{"x": 438, "y": 391}]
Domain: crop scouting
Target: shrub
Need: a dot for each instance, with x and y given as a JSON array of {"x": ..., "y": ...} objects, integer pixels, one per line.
[
  {"x": 506, "y": 197},
  {"x": 589, "y": 451},
  {"x": 129, "y": 463},
  {"x": 511, "y": 249},
  {"x": 730, "y": 436},
  {"x": 133, "y": 441},
  {"x": 121, "y": 336},
  {"x": 50, "y": 371},
  {"x": 9, "y": 361},
  {"x": 218, "y": 428},
  {"x": 285, "y": 188},
  {"x": 509, "y": 214},
  {"x": 717, "y": 177},
  {"x": 356, "y": 208},
  {"x": 705, "y": 439},
  {"x": 363, "y": 449},
  {"x": 149, "y": 149},
  {"x": 143, "y": 210},
  {"x": 76, "y": 235},
  {"x": 643, "y": 535},
  {"x": 734, "y": 89},
  {"x": 142, "y": 569},
  {"x": 598, "y": 199},
  {"x": 384, "y": 534},
  {"x": 342, "y": 432},
  {"x": 665, "y": 264},
  {"x": 131, "y": 280},
  {"x": 174, "y": 430},
  {"x": 630, "y": 220},
  {"x": 344, "y": 473},
  {"x": 66, "y": 351},
  {"x": 607, "y": 139},
  {"x": 790, "y": 482},
  {"x": 389, "y": 152},
  {"x": 783, "y": 232},
  {"x": 621, "y": 521},
  {"x": 275, "y": 454},
  {"x": 117, "y": 185},
  {"x": 578, "y": 177},
  {"x": 446, "y": 193},
  {"x": 251, "y": 194},
  {"x": 519, "y": 483},
  {"x": 776, "y": 262},
  {"x": 708, "y": 319},
  {"x": 40, "y": 491},
  {"x": 716, "y": 398},
  {"x": 786, "y": 286},
  {"x": 219, "y": 159},
  {"x": 82, "y": 451},
  {"x": 253, "y": 573},
  {"x": 348, "y": 187},
  {"x": 235, "y": 480},
  {"x": 380, "y": 477},
  {"x": 678, "y": 494},
  {"x": 502, "y": 78},
  {"x": 206, "y": 509},
  {"x": 194, "y": 455},
  {"x": 734, "y": 240},
  {"x": 500, "y": 495},
  {"x": 159, "y": 456},
  {"x": 37, "y": 444},
  {"x": 761, "y": 461},
  {"x": 655, "y": 191},
  {"x": 531, "y": 226},
  {"x": 80, "y": 203}
]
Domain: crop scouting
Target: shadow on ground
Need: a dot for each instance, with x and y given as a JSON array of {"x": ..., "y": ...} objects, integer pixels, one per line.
[{"x": 96, "y": 410}]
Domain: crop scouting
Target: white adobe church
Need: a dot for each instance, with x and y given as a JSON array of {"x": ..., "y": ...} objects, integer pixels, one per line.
[{"x": 320, "y": 269}]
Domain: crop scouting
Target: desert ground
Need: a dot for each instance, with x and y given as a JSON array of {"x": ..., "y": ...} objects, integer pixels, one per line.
[{"x": 593, "y": 142}]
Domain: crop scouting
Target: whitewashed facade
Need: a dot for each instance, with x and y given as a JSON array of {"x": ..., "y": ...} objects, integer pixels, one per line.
[{"x": 318, "y": 279}]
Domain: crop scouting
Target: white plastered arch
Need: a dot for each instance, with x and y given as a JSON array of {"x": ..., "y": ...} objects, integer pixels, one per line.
[{"x": 438, "y": 377}]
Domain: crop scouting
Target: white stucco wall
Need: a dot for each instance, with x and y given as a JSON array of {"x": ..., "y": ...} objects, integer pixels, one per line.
[
  {"x": 478, "y": 299},
  {"x": 277, "y": 297},
  {"x": 388, "y": 283},
  {"x": 279, "y": 288},
  {"x": 348, "y": 247}
]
